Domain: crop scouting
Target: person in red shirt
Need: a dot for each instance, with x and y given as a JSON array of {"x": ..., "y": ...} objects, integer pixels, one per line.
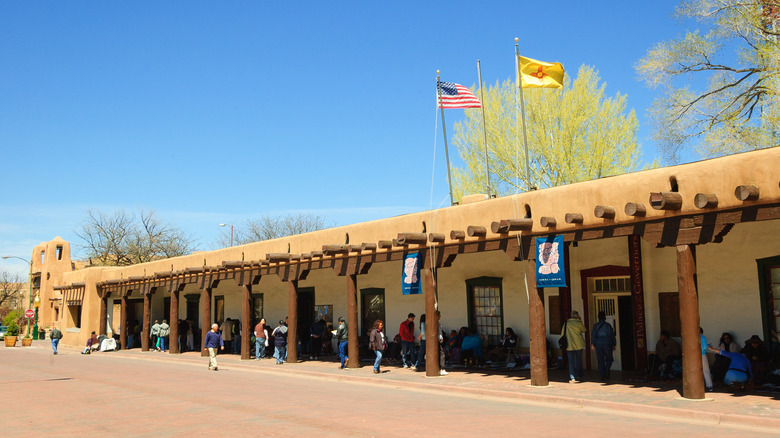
[{"x": 406, "y": 330}]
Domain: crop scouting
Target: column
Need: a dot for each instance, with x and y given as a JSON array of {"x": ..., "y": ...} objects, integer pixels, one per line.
[
  {"x": 432, "y": 368},
  {"x": 537, "y": 329},
  {"x": 145, "y": 323},
  {"x": 173, "y": 339},
  {"x": 693, "y": 377},
  {"x": 123, "y": 321},
  {"x": 352, "y": 323},
  {"x": 638, "y": 299},
  {"x": 246, "y": 319},
  {"x": 102, "y": 325},
  {"x": 205, "y": 306},
  {"x": 292, "y": 322}
]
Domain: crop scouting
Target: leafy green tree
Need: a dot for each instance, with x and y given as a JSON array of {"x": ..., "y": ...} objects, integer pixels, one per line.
[
  {"x": 574, "y": 134},
  {"x": 720, "y": 84}
]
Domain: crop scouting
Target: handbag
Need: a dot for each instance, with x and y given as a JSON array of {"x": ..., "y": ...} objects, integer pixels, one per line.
[{"x": 563, "y": 343}]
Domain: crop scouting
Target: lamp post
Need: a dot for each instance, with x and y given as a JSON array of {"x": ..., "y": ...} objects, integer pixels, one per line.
[
  {"x": 231, "y": 232},
  {"x": 29, "y": 283}
]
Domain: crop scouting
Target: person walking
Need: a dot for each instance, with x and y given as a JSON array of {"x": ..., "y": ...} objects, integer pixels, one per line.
[
  {"x": 261, "y": 339},
  {"x": 573, "y": 329},
  {"x": 212, "y": 342},
  {"x": 280, "y": 343},
  {"x": 376, "y": 342},
  {"x": 406, "y": 331},
  {"x": 603, "y": 342},
  {"x": 165, "y": 330},
  {"x": 154, "y": 334},
  {"x": 342, "y": 336},
  {"x": 55, "y": 335}
]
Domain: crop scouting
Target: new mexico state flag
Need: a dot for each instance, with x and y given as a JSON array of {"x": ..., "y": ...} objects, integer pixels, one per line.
[{"x": 538, "y": 74}]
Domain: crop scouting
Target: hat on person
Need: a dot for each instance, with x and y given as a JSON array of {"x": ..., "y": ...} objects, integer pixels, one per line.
[
  {"x": 341, "y": 319},
  {"x": 575, "y": 314},
  {"x": 755, "y": 338}
]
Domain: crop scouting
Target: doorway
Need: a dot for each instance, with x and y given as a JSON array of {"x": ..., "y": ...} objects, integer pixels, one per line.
[
  {"x": 608, "y": 289},
  {"x": 305, "y": 317}
]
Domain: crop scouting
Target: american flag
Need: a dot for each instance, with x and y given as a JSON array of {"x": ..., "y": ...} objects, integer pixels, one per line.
[{"x": 456, "y": 96}]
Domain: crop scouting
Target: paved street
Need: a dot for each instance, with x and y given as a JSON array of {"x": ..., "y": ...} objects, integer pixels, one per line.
[{"x": 153, "y": 394}]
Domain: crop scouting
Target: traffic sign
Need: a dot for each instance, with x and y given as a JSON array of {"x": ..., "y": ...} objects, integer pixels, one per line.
[{"x": 29, "y": 313}]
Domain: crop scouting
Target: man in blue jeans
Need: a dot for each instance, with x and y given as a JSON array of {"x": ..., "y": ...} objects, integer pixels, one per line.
[
  {"x": 342, "y": 336},
  {"x": 55, "y": 336},
  {"x": 603, "y": 342},
  {"x": 406, "y": 331}
]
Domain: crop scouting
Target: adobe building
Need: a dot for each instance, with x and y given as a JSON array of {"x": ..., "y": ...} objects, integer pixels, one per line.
[{"x": 672, "y": 249}]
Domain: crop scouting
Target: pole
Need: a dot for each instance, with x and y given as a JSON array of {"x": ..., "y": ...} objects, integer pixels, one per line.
[
  {"x": 444, "y": 130},
  {"x": 522, "y": 111},
  {"x": 484, "y": 127},
  {"x": 231, "y": 235},
  {"x": 29, "y": 305}
]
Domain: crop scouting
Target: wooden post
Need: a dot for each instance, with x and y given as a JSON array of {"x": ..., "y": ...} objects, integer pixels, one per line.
[
  {"x": 431, "y": 326},
  {"x": 353, "y": 352},
  {"x": 123, "y": 321},
  {"x": 173, "y": 339},
  {"x": 693, "y": 378},
  {"x": 292, "y": 322},
  {"x": 145, "y": 323},
  {"x": 246, "y": 317},
  {"x": 537, "y": 330},
  {"x": 205, "y": 306},
  {"x": 638, "y": 299},
  {"x": 102, "y": 324}
]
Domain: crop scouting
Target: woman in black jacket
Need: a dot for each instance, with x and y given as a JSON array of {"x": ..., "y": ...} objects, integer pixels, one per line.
[{"x": 376, "y": 342}]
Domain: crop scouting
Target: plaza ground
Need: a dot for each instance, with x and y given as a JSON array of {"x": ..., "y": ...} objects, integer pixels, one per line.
[{"x": 134, "y": 393}]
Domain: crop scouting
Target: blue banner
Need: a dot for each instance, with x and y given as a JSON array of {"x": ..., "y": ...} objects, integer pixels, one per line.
[
  {"x": 410, "y": 278},
  {"x": 550, "y": 271}
]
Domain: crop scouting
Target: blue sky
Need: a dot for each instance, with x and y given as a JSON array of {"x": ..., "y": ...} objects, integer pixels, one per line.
[{"x": 211, "y": 112}]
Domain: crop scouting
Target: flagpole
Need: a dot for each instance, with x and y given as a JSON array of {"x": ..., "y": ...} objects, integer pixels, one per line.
[
  {"x": 522, "y": 111},
  {"x": 444, "y": 131},
  {"x": 484, "y": 128}
]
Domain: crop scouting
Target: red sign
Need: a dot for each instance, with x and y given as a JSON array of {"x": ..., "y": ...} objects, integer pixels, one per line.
[{"x": 29, "y": 313}]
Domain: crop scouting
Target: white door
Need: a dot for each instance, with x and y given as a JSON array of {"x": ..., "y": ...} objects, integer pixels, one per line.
[{"x": 608, "y": 305}]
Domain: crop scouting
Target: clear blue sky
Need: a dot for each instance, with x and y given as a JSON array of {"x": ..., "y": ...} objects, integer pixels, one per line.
[{"x": 211, "y": 112}]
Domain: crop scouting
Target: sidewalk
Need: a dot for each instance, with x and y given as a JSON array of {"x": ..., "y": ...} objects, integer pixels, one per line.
[{"x": 657, "y": 400}]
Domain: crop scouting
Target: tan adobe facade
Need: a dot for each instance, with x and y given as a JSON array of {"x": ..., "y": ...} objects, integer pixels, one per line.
[{"x": 696, "y": 240}]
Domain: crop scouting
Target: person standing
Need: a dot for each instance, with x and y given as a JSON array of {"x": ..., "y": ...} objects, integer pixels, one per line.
[
  {"x": 421, "y": 337},
  {"x": 280, "y": 343},
  {"x": 236, "y": 329},
  {"x": 55, "y": 335},
  {"x": 573, "y": 329},
  {"x": 603, "y": 342},
  {"x": 317, "y": 331},
  {"x": 705, "y": 363},
  {"x": 227, "y": 331},
  {"x": 376, "y": 342},
  {"x": 406, "y": 331},
  {"x": 165, "y": 330},
  {"x": 261, "y": 337},
  {"x": 154, "y": 334},
  {"x": 342, "y": 337},
  {"x": 212, "y": 342}
]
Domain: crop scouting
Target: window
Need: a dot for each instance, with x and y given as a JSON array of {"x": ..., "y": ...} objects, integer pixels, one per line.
[
  {"x": 612, "y": 285},
  {"x": 769, "y": 287},
  {"x": 59, "y": 252},
  {"x": 75, "y": 315},
  {"x": 257, "y": 308},
  {"x": 372, "y": 305},
  {"x": 669, "y": 312},
  {"x": 43, "y": 256},
  {"x": 485, "y": 308}
]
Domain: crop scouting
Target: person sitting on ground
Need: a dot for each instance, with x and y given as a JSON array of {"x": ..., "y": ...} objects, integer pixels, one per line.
[
  {"x": 739, "y": 372},
  {"x": 721, "y": 365},
  {"x": 471, "y": 348},
  {"x": 667, "y": 350},
  {"x": 91, "y": 342},
  {"x": 728, "y": 343},
  {"x": 756, "y": 351},
  {"x": 510, "y": 339}
]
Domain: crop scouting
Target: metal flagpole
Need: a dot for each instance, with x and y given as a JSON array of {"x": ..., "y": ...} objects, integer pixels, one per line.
[
  {"x": 522, "y": 111},
  {"x": 444, "y": 131},
  {"x": 484, "y": 127}
]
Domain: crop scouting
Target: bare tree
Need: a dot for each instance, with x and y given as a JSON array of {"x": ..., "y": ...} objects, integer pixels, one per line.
[
  {"x": 271, "y": 227},
  {"x": 12, "y": 287},
  {"x": 123, "y": 238}
]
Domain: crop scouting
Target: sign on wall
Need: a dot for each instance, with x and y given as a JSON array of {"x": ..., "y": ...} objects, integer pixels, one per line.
[
  {"x": 550, "y": 271},
  {"x": 410, "y": 277}
]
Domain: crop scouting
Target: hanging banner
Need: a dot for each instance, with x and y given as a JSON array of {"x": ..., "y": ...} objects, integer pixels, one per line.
[
  {"x": 410, "y": 278},
  {"x": 550, "y": 271}
]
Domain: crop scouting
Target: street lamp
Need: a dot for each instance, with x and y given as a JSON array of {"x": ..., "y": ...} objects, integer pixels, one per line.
[
  {"x": 231, "y": 232},
  {"x": 29, "y": 282}
]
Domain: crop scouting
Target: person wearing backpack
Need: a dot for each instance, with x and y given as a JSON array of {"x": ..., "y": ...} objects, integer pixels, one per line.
[
  {"x": 165, "y": 330},
  {"x": 573, "y": 329},
  {"x": 603, "y": 342},
  {"x": 55, "y": 335}
]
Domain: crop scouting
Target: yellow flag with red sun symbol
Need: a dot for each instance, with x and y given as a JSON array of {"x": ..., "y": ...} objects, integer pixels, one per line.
[{"x": 538, "y": 74}]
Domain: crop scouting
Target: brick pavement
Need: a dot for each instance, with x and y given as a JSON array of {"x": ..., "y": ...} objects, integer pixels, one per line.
[{"x": 661, "y": 400}]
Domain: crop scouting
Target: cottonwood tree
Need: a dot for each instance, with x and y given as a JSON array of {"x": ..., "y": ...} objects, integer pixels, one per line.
[
  {"x": 574, "y": 134},
  {"x": 12, "y": 287},
  {"x": 271, "y": 227},
  {"x": 123, "y": 238},
  {"x": 720, "y": 84}
]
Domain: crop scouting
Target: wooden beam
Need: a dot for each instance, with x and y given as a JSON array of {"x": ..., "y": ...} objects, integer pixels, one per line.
[
  {"x": 693, "y": 384},
  {"x": 537, "y": 331},
  {"x": 635, "y": 209},
  {"x": 705, "y": 200},
  {"x": 747, "y": 192},
  {"x": 476, "y": 231},
  {"x": 671, "y": 201},
  {"x": 292, "y": 321},
  {"x": 353, "y": 355},
  {"x": 457, "y": 235},
  {"x": 410, "y": 238},
  {"x": 436, "y": 237},
  {"x": 385, "y": 244},
  {"x": 432, "y": 368},
  {"x": 246, "y": 319},
  {"x": 604, "y": 212},
  {"x": 205, "y": 306},
  {"x": 173, "y": 344},
  {"x": 506, "y": 225},
  {"x": 548, "y": 222},
  {"x": 334, "y": 249},
  {"x": 573, "y": 218},
  {"x": 368, "y": 246}
]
